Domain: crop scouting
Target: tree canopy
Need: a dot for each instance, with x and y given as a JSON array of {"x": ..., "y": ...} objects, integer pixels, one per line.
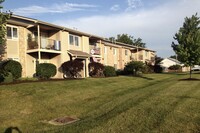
[
  {"x": 3, "y": 20},
  {"x": 128, "y": 39},
  {"x": 187, "y": 47}
]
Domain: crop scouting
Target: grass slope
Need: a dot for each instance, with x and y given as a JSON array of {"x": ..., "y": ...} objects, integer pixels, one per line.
[{"x": 155, "y": 103}]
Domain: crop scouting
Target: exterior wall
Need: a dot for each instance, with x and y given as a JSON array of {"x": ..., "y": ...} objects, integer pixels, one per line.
[
  {"x": 17, "y": 49},
  {"x": 22, "y": 49},
  {"x": 85, "y": 44},
  {"x": 125, "y": 58},
  {"x": 110, "y": 58}
]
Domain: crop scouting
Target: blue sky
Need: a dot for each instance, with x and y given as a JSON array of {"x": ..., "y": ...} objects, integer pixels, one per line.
[{"x": 155, "y": 21}]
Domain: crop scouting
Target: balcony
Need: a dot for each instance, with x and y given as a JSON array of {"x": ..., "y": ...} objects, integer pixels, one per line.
[
  {"x": 46, "y": 44},
  {"x": 94, "y": 50}
]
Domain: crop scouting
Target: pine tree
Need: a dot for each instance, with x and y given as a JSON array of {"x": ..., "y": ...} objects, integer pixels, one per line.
[
  {"x": 3, "y": 21},
  {"x": 188, "y": 38}
]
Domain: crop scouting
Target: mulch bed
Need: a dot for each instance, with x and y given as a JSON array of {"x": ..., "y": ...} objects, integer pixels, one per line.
[{"x": 34, "y": 81}]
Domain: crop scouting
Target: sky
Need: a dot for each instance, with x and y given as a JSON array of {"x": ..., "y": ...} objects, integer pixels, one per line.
[{"x": 155, "y": 21}]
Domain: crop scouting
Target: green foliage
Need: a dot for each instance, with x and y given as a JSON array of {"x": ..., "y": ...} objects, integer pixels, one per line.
[
  {"x": 120, "y": 72},
  {"x": 148, "y": 69},
  {"x": 175, "y": 67},
  {"x": 134, "y": 68},
  {"x": 96, "y": 69},
  {"x": 72, "y": 68},
  {"x": 158, "y": 60},
  {"x": 158, "y": 69},
  {"x": 128, "y": 39},
  {"x": 109, "y": 71},
  {"x": 14, "y": 67},
  {"x": 5, "y": 77},
  {"x": 125, "y": 38},
  {"x": 188, "y": 38},
  {"x": 3, "y": 21},
  {"x": 173, "y": 56},
  {"x": 8, "y": 78},
  {"x": 45, "y": 70}
]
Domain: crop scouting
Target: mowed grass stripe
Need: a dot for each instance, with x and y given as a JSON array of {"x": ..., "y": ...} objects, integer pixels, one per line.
[
  {"x": 153, "y": 103},
  {"x": 153, "y": 113},
  {"x": 119, "y": 105},
  {"x": 186, "y": 115}
]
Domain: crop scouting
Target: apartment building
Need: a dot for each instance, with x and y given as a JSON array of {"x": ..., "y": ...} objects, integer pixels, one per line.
[{"x": 31, "y": 42}]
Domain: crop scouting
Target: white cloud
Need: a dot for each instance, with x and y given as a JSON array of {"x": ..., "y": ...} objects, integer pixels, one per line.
[
  {"x": 133, "y": 4},
  {"x": 55, "y": 8},
  {"x": 155, "y": 26},
  {"x": 115, "y": 8}
]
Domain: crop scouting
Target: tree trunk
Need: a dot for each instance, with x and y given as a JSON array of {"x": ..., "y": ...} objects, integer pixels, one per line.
[{"x": 190, "y": 72}]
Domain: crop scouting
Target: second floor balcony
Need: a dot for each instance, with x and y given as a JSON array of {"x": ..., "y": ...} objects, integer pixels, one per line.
[
  {"x": 45, "y": 44},
  {"x": 95, "y": 51}
]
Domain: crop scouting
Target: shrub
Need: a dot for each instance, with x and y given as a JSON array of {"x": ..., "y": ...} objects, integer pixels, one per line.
[
  {"x": 175, "y": 67},
  {"x": 109, "y": 71},
  {"x": 120, "y": 72},
  {"x": 158, "y": 69},
  {"x": 134, "y": 68},
  {"x": 72, "y": 68},
  {"x": 148, "y": 69},
  {"x": 45, "y": 70},
  {"x": 96, "y": 69},
  {"x": 14, "y": 67},
  {"x": 8, "y": 78}
]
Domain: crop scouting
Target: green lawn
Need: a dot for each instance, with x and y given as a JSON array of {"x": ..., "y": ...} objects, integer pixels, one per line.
[{"x": 155, "y": 103}]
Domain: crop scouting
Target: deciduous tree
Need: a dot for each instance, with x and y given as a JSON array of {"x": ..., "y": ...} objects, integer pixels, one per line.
[
  {"x": 187, "y": 47},
  {"x": 128, "y": 39},
  {"x": 3, "y": 21}
]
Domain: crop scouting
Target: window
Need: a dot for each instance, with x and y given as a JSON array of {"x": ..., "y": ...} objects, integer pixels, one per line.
[
  {"x": 105, "y": 50},
  {"x": 74, "y": 40},
  {"x": 71, "y": 40},
  {"x": 146, "y": 53},
  {"x": 126, "y": 52},
  {"x": 114, "y": 51},
  {"x": 12, "y": 32}
]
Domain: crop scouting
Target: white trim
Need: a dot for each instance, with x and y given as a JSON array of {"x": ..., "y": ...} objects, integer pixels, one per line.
[
  {"x": 12, "y": 37},
  {"x": 74, "y": 36}
]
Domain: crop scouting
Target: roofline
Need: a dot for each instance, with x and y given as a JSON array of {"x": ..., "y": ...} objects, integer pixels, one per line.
[
  {"x": 56, "y": 26},
  {"x": 75, "y": 31},
  {"x": 127, "y": 45}
]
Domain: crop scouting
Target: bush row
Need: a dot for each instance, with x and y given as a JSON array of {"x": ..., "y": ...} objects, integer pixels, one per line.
[{"x": 11, "y": 70}]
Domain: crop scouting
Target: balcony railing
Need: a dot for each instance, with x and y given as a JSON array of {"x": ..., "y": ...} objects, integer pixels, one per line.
[
  {"x": 95, "y": 51},
  {"x": 48, "y": 44}
]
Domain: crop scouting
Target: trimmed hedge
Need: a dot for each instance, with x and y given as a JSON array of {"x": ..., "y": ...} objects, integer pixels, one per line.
[
  {"x": 72, "y": 68},
  {"x": 96, "y": 69},
  {"x": 45, "y": 70},
  {"x": 14, "y": 67},
  {"x": 109, "y": 71},
  {"x": 134, "y": 68},
  {"x": 175, "y": 67}
]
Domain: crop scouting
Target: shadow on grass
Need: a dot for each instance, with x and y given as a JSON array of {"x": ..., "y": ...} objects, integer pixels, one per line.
[
  {"x": 145, "y": 78},
  {"x": 189, "y": 79},
  {"x": 12, "y": 130},
  {"x": 134, "y": 76}
]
